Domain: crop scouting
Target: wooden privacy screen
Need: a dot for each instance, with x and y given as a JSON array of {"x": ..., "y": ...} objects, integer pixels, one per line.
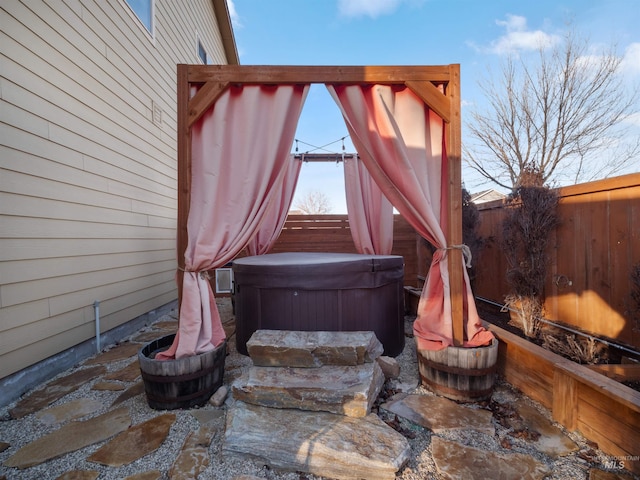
[{"x": 422, "y": 80}]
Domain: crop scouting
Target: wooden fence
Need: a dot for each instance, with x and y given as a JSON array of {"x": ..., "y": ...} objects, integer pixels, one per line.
[
  {"x": 591, "y": 256},
  {"x": 331, "y": 233}
]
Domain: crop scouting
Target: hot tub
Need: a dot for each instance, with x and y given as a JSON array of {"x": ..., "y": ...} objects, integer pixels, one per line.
[{"x": 320, "y": 292}]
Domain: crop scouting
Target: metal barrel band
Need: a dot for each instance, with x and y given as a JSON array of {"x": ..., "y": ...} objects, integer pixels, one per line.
[
  {"x": 457, "y": 392},
  {"x": 180, "y": 398},
  {"x": 471, "y": 372},
  {"x": 178, "y": 378}
]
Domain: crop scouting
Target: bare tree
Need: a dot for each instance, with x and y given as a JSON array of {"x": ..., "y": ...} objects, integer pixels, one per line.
[
  {"x": 562, "y": 115},
  {"x": 313, "y": 203}
]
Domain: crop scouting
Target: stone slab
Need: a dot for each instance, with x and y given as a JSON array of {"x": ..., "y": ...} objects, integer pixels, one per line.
[
  {"x": 461, "y": 462},
  {"x": 284, "y": 348},
  {"x": 389, "y": 365},
  {"x": 54, "y": 391},
  {"x": 551, "y": 440},
  {"x": 133, "y": 391},
  {"x": 346, "y": 390},
  {"x": 323, "y": 444},
  {"x": 69, "y": 411},
  {"x": 129, "y": 373},
  {"x": 135, "y": 442},
  {"x": 71, "y": 437},
  {"x": 194, "y": 456},
  {"x": 115, "y": 354},
  {"x": 440, "y": 414},
  {"x": 205, "y": 416}
]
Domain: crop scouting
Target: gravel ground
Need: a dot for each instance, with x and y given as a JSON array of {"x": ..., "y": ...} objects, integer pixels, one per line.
[{"x": 420, "y": 466}]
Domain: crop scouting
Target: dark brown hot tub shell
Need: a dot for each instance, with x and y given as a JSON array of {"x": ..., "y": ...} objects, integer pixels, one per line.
[{"x": 320, "y": 292}]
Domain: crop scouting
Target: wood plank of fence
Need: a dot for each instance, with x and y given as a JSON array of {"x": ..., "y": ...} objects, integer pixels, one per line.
[
  {"x": 591, "y": 255},
  {"x": 331, "y": 233}
]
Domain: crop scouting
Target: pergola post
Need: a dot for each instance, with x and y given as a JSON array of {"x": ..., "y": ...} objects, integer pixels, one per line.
[
  {"x": 183, "y": 170},
  {"x": 454, "y": 226}
]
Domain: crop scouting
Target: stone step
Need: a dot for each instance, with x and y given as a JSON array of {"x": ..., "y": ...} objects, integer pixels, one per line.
[
  {"x": 345, "y": 390},
  {"x": 285, "y": 348},
  {"x": 324, "y": 444}
]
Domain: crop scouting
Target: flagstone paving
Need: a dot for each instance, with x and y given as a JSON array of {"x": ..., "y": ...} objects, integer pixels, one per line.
[
  {"x": 462, "y": 462},
  {"x": 322, "y": 443},
  {"x": 194, "y": 456},
  {"x": 117, "y": 353},
  {"x": 549, "y": 440},
  {"x": 90, "y": 411},
  {"x": 70, "y": 437},
  {"x": 439, "y": 414},
  {"x": 126, "y": 374},
  {"x": 69, "y": 411},
  {"x": 54, "y": 391},
  {"x": 131, "y": 392},
  {"x": 135, "y": 442}
]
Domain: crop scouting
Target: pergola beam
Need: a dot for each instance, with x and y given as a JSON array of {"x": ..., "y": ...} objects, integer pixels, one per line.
[
  {"x": 215, "y": 78},
  {"x": 204, "y": 98},
  {"x": 433, "y": 97},
  {"x": 268, "y": 74}
]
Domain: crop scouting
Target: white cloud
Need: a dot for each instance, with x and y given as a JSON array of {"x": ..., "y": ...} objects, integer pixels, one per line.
[
  {"x": 633, "y": 119},
  {"x": 233, "y": 13},
  {"x": 631, "y": 61},
  {"x": 518, "y": 37},
  {"x": 370, "y": 8}
]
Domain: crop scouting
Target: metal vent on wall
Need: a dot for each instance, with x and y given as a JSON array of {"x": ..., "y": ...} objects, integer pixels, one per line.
[{"x": 224, "y": 280}]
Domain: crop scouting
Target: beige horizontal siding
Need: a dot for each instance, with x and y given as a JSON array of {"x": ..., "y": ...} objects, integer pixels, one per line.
[
  {"x": 87, "y": 172},
  {"x": 35, "y": 248},
  {"x": 41, "y": 348}
]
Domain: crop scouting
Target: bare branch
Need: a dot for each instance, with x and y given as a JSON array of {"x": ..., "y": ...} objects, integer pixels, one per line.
[
  {"x": 563, "y": 114},
  {"x": 313, "y": 203}
]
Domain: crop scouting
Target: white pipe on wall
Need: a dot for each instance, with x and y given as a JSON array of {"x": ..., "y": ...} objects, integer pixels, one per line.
[{"x": 96, "y": 311}]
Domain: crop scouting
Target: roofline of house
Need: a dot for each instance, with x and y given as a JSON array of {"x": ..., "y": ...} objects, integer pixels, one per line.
[{"x": 226, "y": 31}]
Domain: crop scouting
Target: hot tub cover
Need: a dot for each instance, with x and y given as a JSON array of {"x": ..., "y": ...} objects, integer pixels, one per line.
[{"x": 315, "y": 270}]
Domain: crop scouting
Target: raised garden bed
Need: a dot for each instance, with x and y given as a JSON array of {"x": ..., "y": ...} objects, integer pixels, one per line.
[
  {"x": 580, "y": 397},
  {"x": 603, "y": 410}
]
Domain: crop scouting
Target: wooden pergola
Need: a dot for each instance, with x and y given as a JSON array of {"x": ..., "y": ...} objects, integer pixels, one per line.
[{"x": 437, "y": 86}]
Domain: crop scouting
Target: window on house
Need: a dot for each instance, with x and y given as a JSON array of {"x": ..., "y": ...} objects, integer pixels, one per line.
[
  {"x": 144, "y": 11},
  {"x": 202, "y": 53}
]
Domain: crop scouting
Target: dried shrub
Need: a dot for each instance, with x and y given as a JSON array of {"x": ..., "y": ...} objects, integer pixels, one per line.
[
  {"x": 580, "y": 349},
  {"x": 470, "y": 236},
  {"x": 525, "y": 314},
  {"x": 526, "y": 230}
]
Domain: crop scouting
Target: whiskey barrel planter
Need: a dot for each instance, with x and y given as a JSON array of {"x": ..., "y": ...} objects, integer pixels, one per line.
[
  {"x": 181, "y": 383},
  {"x": 462, "y": 374}
]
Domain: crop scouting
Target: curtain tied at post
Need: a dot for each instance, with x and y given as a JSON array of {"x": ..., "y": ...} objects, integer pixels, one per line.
[
  {"x": 204, "y": 274},
  {"x": 466, "y": 252}
]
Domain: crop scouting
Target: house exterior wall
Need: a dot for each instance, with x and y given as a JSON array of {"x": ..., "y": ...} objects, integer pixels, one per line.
[{"x": 88, "y": 164}]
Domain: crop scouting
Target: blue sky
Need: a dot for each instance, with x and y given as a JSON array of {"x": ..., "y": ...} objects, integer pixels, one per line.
[{"x": 476, "y": 34}]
